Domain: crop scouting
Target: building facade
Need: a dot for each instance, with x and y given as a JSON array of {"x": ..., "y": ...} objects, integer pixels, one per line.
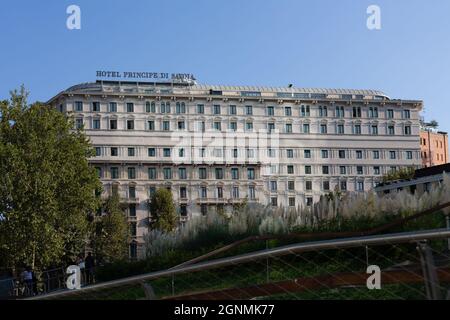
[
  {"x": 217, "y": 146},
  {"x": 433, "y": 147}
]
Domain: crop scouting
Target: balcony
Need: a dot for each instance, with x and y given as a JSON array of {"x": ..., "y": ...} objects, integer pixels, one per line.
[{"x": 129, "y": 200}]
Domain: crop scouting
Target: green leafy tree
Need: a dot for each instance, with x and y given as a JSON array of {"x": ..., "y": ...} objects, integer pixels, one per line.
[
  {"x": 47, "y": 188},
  {"x": 402, "y": 174},
  {"x": 110, "y": 236},
  {"x": 163, "y": 210}
]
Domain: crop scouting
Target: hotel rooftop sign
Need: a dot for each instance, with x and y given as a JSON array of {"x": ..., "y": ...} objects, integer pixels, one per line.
[{"x": 146, "y": 76}]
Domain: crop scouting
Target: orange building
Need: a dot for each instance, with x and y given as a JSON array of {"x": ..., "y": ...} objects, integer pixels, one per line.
[{"x": 433, "y": 147}]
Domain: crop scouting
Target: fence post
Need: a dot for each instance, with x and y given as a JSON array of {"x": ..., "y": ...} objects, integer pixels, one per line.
[
  {"x": 430, "y": 276},
  {"x": 267, "y": 263}
]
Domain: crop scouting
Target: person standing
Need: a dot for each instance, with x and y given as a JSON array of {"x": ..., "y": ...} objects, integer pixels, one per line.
[
  {"x": 89, "y": 264},
  {"x": 27, "y": 278}
]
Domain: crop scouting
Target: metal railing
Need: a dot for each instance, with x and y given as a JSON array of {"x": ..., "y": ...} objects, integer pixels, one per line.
[{"x": 275, "y": 253}]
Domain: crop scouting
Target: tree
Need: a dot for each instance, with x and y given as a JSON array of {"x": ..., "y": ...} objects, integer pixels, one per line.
[
  {"x": 163, "y": 210},
  {"x": 47, "y": 188},
  {"x": 402, "y": 174},
  {"x": 110, "y": 236}
]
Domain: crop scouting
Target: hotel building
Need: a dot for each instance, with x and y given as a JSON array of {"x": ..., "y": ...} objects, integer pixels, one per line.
[
  {"x": 434, "y": 147},
  {"x": 217, "y": 146}
]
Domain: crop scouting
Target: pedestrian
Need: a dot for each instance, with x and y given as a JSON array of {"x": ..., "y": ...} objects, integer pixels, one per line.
[
  {"x": 27, "y": 278},
  {"x": 82, "y": 265},
  {"x": 89, "y": 264}
]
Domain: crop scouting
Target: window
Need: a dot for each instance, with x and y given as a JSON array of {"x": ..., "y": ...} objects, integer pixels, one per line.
[
  {"x": 202, "y": 173},
  {"x": 406, "y": 114},
  {"x": 409, "y": 155},
  {"x": 131, "y": 152},
  {"x": 341, "y": 154},
  {"x": 249, "y": 126},
  {"x": 391, "y": 130},
  {"x": 340, "y": 129},
  {"x": 181, "y": 152},
  {"x": 376, "y": 154},
  {"x": 339, "y": 112},
  {"x": 309, "y": 201},
  {"x": 204, "y": 192},
  {"x": 99, "y": 172},
  {"x": 165, "y": 107},
  {"x": 270, "y": 111},
  {"x": 407, "y": 130},
  {"x": 235, "y": 153},
  {"x": 356, "y": 112},
  {"x": 307, "y": 154},
  {"x": 306, "y": 128},
  {"x": 291, "y": 202},
  {"x": 360, "y": 186},
  {"x": 217, "y": 125},
  {"x": 323, "y": 112},
  {"x": 323, "y": 128},
  {"x": 200, "y": 109},
  {"x": 291, "y": 185},
  {"x": 133, "y": 229},
  {"x": 308, "y": 170},
  {"x": 374, "y": 130},
  {"x": 308, "y": 185},
  {"x": 78, "y": 106},
  {"x": 271, "y": 153},
  {"x": 390, "y": 114},
  {"x": 181, "y": 125},
  {"x": 290, "y": 169},
  {"x": 166, "y": 125},
  {"x": 235, "y": 193},
  {"x": 113, "y": 107},
  {"x": 150, "y": 107},
  {"x": 133, "y": 250},
  {"x": 343, "y": 185},
  {"x": 273, "y": 186},
  {"x": 152, "y": 173},
  {"x": 98, "y": 151},
  {"x": 132, "y": 192},
  {"x": 288, "y": 127},
  {"x": 288, "y": 111},
  {"x": 180, "y": 107},
  {"x": 202, "y": 152},
  {"x": 167, "y": 173},
  {"x": 114, "y": 152},
  {"x": 274, "y": 201},
  {"x": 373, "y": 112},
  {"x": 325, "y": 170},
  {"x": 235, "y": 173},
  {"x": 233, "y": 125},
  {"x": 130, "y": 107},
  {"x": 96, "y": 106},
  {"x": 359, "y": 170},
  {"x": 357, "y": 129},
  {"x": 359, "y": 154},
  {"x": 96, "y": 124},
  {"x": 376, "y": 170},
  {"x": 290, "y": 153},
  {"x": 130, "y": 124},
  {"x": 151, "y": 152},
  {"x": 204, "y": 209},
  {"x": 326, "y": 185},
  {"x": 343, "y": 170},
  {"x": 251, "y": 193},
  {"x": 131, "y": 173},
  {"x": 114, "y": 173},
  {"x": 151, "y": 125},
  {"x": 183, "y": 207},
  {"x": 248, "y": 110},
  {"x": 251, "y": 174},
  {"x": 271, "y": 127},
  {"x": 216, "y": 109},
  {"x": 232, "y": 110},
  {"x": 250, "y": 153},
  {"x": 305, "y": 111},
  {"x": 392, "y": 155},
  {"x": 79, "y": 123},
  {"x": 219, "y": 173},
  {"x": 182, "y": 173},
  {"x": 113, "y": 124},
  {"x": 324, "y": 154},
  {"x": 219, "y": 192},
  {"x": 166, "y": 152}
]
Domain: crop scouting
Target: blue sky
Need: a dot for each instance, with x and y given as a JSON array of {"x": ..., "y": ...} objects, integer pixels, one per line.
[{"x": 314, "y": 43}]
